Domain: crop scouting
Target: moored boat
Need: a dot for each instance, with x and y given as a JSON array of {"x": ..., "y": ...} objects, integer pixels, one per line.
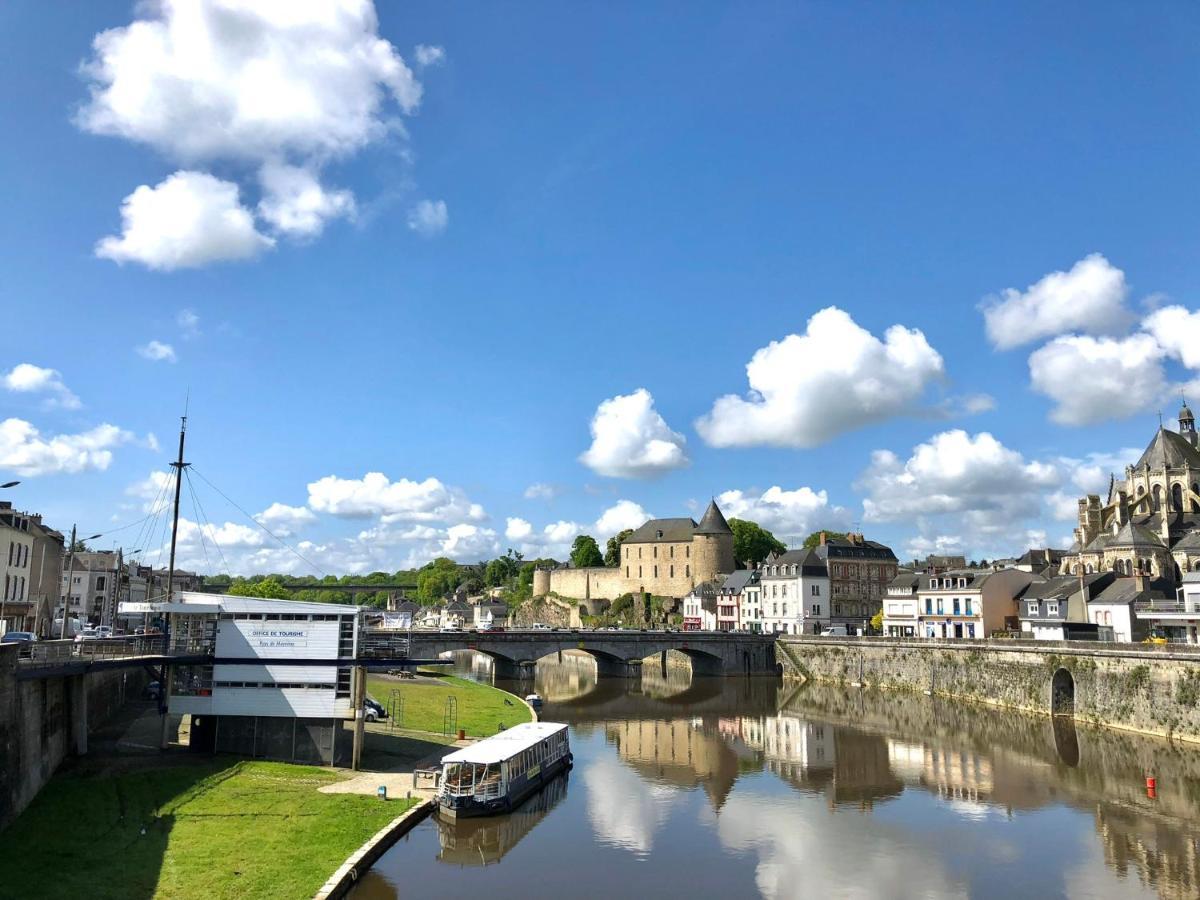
[{"x": 494, "y": 775}]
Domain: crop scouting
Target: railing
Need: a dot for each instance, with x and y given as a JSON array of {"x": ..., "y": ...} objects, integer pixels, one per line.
[
  {"x": 49, "y": 653},
  {"x": 383, "y": 644},
  {"x": 1168, "y": 606}
]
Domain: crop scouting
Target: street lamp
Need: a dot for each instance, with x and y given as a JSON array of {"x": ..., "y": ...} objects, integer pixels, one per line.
[
  {"x": 70, "y": 576},
  {"x": 9, "y": 484}
]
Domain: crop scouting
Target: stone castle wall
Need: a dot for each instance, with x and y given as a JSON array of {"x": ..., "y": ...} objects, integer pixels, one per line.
[
  {"x": 1153, "y": 691},
  {"x": 593, "y": 583}
]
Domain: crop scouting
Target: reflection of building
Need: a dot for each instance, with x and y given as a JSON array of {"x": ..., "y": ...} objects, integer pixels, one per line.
[
  {"x": 1165, "y": 855},
  {"x": 958, "y": 774},
  {"x": 678, "y": 752},
  {"x": 483, "y": 841}
]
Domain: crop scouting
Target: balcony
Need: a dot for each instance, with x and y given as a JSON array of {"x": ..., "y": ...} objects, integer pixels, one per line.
[{"x": 1185, "y": 609}]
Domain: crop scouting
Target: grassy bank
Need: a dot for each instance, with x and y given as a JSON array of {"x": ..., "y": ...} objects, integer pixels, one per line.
[
  {"x": 481, "y": 707},
  {"x": 218, "y": 829}
]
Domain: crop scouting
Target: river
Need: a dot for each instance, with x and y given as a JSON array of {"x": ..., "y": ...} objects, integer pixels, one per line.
[{"x": 744, "y": 787}]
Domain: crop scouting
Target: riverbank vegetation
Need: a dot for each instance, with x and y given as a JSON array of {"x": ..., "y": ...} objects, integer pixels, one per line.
[
  {"x": 482, "y": 709},
  {"x": 219, "y": 829}
]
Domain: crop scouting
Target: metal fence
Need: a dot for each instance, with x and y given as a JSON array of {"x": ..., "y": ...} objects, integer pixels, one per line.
[
  {"x": 49, "y": 653},
  {"x": 383, "y": 644}
]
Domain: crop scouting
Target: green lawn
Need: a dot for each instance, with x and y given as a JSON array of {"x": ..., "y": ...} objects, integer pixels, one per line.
[
  {"x": 219, "y": 829},
  {"x": 481, "y": 707}
]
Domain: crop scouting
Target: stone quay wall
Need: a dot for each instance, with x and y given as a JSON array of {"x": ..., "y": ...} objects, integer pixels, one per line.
[
  {"x": 43, "y": 721},
  {"x": 1153, "y": 690}
]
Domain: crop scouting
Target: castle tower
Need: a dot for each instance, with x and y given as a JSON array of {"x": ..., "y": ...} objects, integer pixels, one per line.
[
  {"x": 712, "y": 546},
  {"x": 541, "y": 582}
]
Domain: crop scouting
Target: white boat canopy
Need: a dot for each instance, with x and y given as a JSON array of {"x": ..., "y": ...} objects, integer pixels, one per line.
[{"x": 506, "y": 744}]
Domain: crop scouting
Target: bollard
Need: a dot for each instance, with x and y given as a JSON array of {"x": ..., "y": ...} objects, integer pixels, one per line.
[
  {"x": 462, "y": 734},
  {"x": 381, "y": 792},
  {"x": 1151, "y": 787}
]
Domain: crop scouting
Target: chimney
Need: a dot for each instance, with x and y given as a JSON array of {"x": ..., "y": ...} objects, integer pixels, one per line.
[
  {"x": 822, "y": 539},
  {"x": 1139, "y": 581}
]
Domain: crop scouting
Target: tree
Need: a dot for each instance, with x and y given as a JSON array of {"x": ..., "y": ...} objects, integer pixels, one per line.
[
  {"x": 79, "y": 546},
  {"x": 269, "y": 588},
  {"x": 612, "y": 553},
  {"x": 436, "y": 579},
  {"x": 585, "y": 552},
  {"x": 501, "y": 570},
  {"x": 752, "y": 543},
  {"x": 877, "y": 622},
  {"x": 815, "y": 538}
]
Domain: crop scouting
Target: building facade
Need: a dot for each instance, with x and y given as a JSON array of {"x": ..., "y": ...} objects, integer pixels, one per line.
[
  {"x": 664, "y": 557},
  {"x": 969, "y": 603},
  {"x": 859, "y": 573},
  {"x": 795, "y": 593},
  {"x": 900, "y": 605},
  {"x": 700, "y": 606},
  {"x": 16, "y": 558}
]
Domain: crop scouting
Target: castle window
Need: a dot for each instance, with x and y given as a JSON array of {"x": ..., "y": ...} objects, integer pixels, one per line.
[
  {"x": 672, "y": 551},
  {"x": 627, "y": 571},
  {"x": 627, "y": 553},
  {"x": 687, "y": 551},
  {"x": 656, "y": 551},
  {"x": 672, "y": 571},
  {"x": 639, "y": 552},
  {"x": 687, "y": 571},
  {"x": 656, "y": 571},
  {"x": 639, "y": 571}
]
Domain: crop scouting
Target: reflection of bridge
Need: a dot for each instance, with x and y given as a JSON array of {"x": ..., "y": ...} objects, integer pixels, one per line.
[
  {"x": 618, "y": 653},
  {"x": 611, "y": 699}
]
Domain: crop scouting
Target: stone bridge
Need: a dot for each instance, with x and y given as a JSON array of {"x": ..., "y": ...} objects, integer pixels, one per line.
[{"x": 617, "y": 653}]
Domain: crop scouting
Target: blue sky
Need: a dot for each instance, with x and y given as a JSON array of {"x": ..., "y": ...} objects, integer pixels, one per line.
[{"x": 440, "y": 263}]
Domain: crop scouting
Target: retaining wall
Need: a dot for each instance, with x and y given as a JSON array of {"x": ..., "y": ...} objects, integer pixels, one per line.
[
  {"x": 1150, "y": 690},
  {"x": 44, "y": 720}
]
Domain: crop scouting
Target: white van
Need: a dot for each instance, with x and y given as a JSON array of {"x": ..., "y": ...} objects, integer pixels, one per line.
[{"x": 836, "y": 631}]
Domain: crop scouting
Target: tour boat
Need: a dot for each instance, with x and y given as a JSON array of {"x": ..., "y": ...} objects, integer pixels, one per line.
[
  {"x": 534, "y": 700},
  {"x": 494, "y": 775}
]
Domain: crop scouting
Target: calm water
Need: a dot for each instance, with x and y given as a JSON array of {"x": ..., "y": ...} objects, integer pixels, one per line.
[{"x": 749, "y": 787}]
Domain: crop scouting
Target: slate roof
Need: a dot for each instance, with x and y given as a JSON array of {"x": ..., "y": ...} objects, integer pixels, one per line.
[
  {"x": 840, "y": 549},
  {"x": 666, "y": 530},
  {"x": 808, "y": 559},
  {"x": 737, "y": 580},
  {"x": 1190, "y": 541},
  {"x": 1126, "y": 590},
  {"x": 1045, "y": 557},
  {"x": 906, "y": 580},
  {"x": 1169, "y": 450},
  {"x": 1063, "y": 586},
  {"x": 713, "y": 521},
  {"x": 1132, "y": 535}
]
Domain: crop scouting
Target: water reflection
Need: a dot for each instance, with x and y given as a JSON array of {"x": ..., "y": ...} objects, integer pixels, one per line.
[{"x": 753, "y": 786}]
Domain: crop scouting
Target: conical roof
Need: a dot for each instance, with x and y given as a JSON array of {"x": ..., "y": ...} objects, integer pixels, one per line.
[
  {"x": 713, "y": 522},
  {"x": 1132, "y": 535},
  {"x": 1169, "y": 450}
]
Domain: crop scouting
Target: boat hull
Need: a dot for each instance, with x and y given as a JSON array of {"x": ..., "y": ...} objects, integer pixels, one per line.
[{"x": 469, "y": 807}]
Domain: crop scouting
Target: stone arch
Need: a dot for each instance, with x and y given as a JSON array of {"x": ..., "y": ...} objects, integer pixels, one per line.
[
  {"x": 1194, "y": 499},
  {"x": 1177, "y": 497},
  {"x": 1088, "y": 569},
  {"x": 1196, "y": 566},
  {"x": 1062, "y": 693},
  {"x": 1119, "y": 567}
]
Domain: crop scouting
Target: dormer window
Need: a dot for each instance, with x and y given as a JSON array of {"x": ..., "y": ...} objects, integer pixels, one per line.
[
  {"x": 962, "y": 582},
  {"x": 658, "y": 534}
]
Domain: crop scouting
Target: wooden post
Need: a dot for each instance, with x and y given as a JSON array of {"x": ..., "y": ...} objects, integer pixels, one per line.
[{"x": 359, "y": 693}]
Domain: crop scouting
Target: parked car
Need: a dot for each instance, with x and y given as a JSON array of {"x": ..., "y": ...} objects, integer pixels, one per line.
[
  {"x": 373, "y": 711},
  {"x": 104, "y": 631},
  {"x": 88, "y": 634},
  {"x": 539, "y": 626},
  {"x": 18, "y": 637}
]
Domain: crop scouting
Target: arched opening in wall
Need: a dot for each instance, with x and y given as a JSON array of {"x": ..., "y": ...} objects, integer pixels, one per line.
[
  {"x": 1178, "y": 574},
  {"x": 1062, "y": 694},
  {"x": 1088, "y": 569},
  {"x": 1196, "y": 566},
  {"x": 1157, "y": 501},
  {"x": 1119, "y": 567},
  {"x": 1192, "y": 504},
  {"x": 1066, "y": 741},
  {"x": 1177, "y": 497}
]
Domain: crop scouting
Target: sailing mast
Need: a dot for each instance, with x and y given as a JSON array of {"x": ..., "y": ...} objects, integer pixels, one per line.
[{"x": 179, "y": 465}]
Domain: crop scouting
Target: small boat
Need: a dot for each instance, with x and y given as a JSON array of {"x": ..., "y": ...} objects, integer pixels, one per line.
[
  {"x": 494, "y": 775},
  {"x": 534, "y": 700}
]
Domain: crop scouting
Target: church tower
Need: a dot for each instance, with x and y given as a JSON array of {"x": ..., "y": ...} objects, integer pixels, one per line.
[{"x": 1187, "y": 424}]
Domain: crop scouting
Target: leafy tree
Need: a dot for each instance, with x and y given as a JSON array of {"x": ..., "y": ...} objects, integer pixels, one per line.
[
  {"x": 585, "y": 552},
  {"x": 752, "y": 543},
  {"x": 877, "y": 622},
  {"x": 270, "y": 588},
  {"x": 612, "y": 553},
  {"x": 815, "y": 538},
  {"x": 436, "y": 579},
  {"x": 501, "y": 570}
]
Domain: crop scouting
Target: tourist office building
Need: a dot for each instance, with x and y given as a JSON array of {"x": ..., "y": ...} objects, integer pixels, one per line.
[{"x": 280, "y": 685}]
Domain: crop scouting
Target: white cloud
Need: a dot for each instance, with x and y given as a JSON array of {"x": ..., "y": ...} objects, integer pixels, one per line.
[
  {"x": 794, "y": 513},
  {"x": 541, "y": 491},
  {"x": 973, "y": 404},
  {"x": 427, "y": 55},
  {"x": 295, "y": 202},
  {"x": 157, "y": 351},
  {"x": 621, "y": 515},
  {"x": 1089, "y": 298},
  {"x": 631, "y": 440},
  {"x": 395, "y": 501},
  {"x": 429, "y": 217},
  {"x": 188, "y": 322},
  {"x": 284, "y": 520},
  {"x": 189, "y": 219},
  {"x": 1177, "y": 331},
  {"x": 281, "y": 88},
  {"x": 836, "y": 377},
  {"x": 1093, "y": 379},
  {"x": 517, "y": 529},
  {"x": 153, "y": 490},
  {"x": 25, "y": 451},
  {"x": 26, "y": 378}
]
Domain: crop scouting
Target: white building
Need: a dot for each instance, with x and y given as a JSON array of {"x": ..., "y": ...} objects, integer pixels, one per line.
[
  {"x": 795, "y": 593},
  {"x": 283, "y": 690},
  {"x": 1175, "y": 618},
  {"x": 969, "y": 603},
  {"x": 752, "y": 604},
  {"x": 16, "y": 549},
  {"x": 700, "y": 607},
  {"x": 900, "y": 605}
]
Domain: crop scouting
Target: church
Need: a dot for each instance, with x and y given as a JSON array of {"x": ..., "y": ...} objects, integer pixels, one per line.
[{"x": 1149, "y": 524}]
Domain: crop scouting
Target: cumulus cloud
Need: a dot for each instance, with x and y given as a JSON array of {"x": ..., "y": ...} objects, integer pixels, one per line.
[
  {"x": 631, "y": 440},
  {"x": 797, "y": 512},
  {"x": 1177, "y": 331},
  {"x": 295, "y": 202},
  {"x": 395, "y": 501},
  {"x": 189, "y": 219},
  {"x": 25, "y": 451},
  {"x": 153, "y": 490},
  {"x": 555, "y": 539},
  {"x": 621, "y": 515},
  {"x": 157, "y": 351},
  {"x": 427, "y": 55},
  {"x": 1091, "y": 379},
  {"x": 277, "y": 88},
  {"x": 1088, "y": 298},
  {"x": 429, "y": 217},
  {"x": 284, "y": 520},
  {"x": 836, "y": 377},
  {"x": 26, "y": 378},
  {"x": 541, "y": 491}
]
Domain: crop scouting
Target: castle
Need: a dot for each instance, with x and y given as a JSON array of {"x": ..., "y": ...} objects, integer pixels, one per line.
[
  {"x": 665, "y": 557},
  {"x": 1150, "y": 522}
]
